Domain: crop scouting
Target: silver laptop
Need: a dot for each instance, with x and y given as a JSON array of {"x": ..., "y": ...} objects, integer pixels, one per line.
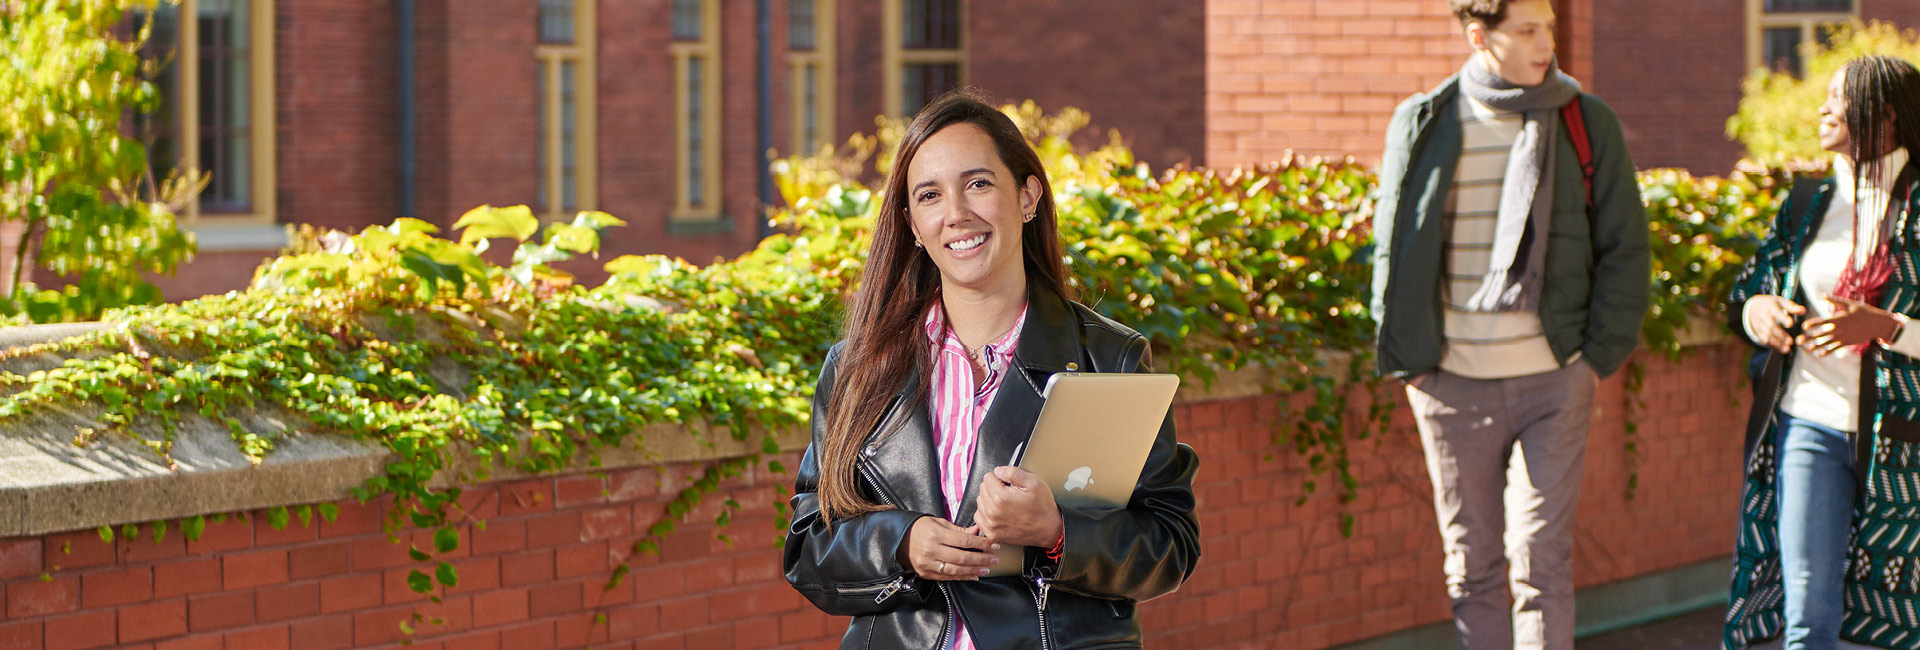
[{"x": 1091, "y": 440}]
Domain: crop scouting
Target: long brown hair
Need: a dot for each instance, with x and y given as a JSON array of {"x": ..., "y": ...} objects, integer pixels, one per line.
[{"x": 885, "y": 346}]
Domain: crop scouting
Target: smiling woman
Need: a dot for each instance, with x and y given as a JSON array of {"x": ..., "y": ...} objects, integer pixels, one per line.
[
  {"x": 1827, "y": 300},
  {"x": 963, "y": 312}
]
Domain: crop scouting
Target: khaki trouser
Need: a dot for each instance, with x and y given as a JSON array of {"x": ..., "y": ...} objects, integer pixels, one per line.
[{"x": 1505, "y": 457}]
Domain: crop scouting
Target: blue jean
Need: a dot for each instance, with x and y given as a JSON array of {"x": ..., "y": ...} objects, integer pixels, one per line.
[{"x": 1815, "y": 485}]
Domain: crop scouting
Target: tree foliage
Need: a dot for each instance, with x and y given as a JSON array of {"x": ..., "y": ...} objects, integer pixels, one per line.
[
  {"x": 72, "y": 178},
  {"x": 1779, "y": 112}
]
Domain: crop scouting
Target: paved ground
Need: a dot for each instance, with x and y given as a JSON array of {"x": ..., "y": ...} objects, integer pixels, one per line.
[{"x": 1697, "y": 631}]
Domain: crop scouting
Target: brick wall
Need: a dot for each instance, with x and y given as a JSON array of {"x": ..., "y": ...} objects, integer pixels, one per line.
[
  {"x": 1673, "y": 81},
  {"x": 1271, "y": 574},
  {"x": 211, "y": 273},
  {"x": 489, "y": 114},
  {"x": 1137, "y": 66},
  {"x": 338, "y": 108},
  {"x": 1319, "y": 78},
  {"x": 338, "y": 113},
  {"x": 1899, "y": 12}
]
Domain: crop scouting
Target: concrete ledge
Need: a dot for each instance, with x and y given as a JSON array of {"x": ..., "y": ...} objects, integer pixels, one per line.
[
  {"x": 50, "y": 484},
  {"x": 214, "y": 238},
  {"x": 1602, "y": 608}
]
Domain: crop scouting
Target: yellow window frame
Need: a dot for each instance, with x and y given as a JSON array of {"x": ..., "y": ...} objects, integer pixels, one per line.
[
  {"x": 1759, "y": 21},
  {"x": 582, "y": 54},
  {"x": 821, "y": 61},
  {"x": 261, "y": 96},
  {"x": 895, "y": 57},
  {"x": 706, "y": 52}
]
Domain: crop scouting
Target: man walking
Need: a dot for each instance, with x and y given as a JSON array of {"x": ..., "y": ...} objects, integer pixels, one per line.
[{"x": 1510, "y": 274}]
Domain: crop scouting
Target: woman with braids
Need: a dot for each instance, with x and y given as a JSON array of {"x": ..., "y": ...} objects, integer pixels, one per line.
[
  {"x": 1829, "y": 544},
  {"x": 962, "y": 313}
]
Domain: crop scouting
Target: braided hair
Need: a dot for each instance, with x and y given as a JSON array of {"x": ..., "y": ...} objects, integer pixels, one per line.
[
  {"x": 1878, "y": 88},
  {"x": 1882, "y": 114}
]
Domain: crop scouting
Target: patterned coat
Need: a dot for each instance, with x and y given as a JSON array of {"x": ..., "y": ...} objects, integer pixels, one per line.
[{"x": 1883, "y": 574}]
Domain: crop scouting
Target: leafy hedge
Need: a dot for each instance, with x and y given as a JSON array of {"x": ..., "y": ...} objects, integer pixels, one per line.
[{"x": 1222, "y": 270}]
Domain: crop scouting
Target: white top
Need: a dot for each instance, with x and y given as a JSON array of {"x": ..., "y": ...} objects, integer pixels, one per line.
[
  {"x": 1484, "y": 345},
  {"x": 1826, "y": 390}
]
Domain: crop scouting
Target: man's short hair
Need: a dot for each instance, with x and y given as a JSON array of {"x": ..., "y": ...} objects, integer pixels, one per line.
[{"x": 1488, "y": 12}]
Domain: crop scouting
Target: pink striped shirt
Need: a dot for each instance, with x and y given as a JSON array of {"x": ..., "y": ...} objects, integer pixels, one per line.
[{"x": 957, "y": 407}]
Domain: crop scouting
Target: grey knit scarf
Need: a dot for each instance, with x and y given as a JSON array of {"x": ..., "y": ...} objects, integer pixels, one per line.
[{"x": 1516, "y": 269}]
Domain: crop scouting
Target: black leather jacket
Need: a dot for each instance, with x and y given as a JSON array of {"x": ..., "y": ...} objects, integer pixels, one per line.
[{"x": 1111, "y": 559}]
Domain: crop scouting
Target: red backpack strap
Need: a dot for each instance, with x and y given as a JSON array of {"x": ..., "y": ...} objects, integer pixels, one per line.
[{"x": 1582, "y": 144}]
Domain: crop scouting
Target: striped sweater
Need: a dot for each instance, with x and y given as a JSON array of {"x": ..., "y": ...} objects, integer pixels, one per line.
[{"x": 1478, "y": 344}]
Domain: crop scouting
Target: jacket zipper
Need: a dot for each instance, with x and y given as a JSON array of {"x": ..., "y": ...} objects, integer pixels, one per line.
[
  {"x": 946, "y": 631},
  {"x": 1040, "y": 587},
  {"x": 884, "y": 590},
  {"x": 903, "y": 582}
]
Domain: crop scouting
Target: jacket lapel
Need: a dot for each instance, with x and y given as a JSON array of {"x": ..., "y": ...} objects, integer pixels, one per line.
[
  {"x": 1049, "y": 343},
  {"x": 901, "y": 452}
]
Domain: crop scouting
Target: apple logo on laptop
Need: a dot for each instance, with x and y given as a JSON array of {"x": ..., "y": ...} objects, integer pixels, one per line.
[{"x": 1079, "y": 479}]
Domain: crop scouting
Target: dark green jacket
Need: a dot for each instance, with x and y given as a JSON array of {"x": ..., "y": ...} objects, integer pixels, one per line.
[{"x": 1598, "y": 271}]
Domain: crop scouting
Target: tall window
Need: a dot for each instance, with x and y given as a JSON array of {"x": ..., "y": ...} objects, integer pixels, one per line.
[
  {"x": 810, "y": 62},
  {"x": 1779, "y": 27},
  {"x": 696, "y": 92},
  {"x": 925, "y": 52},
  {"x": 215, "y": 77},
  {"x": 564, "y": 78}
]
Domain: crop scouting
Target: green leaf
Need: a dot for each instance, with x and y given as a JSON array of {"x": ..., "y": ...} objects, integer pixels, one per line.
[
  {"x": 640, "y": 265},
  {"x": 446, "y": 540},
  {"x": 573, "y": 238},
  {"x": 487, "y": 222},
  {"x": 106, "y": 534},
  {"x": 193, "y": 527},
  {"x": 619, "y": 576},
  {"x": 277, "y": 517},
  {"x": 328, "y": 512},
  {"x": 446, "y": 574},
  {"x": 433, "y": 271},
  {"x": 306, "y": 516},
  {"x": 419, "y": 582},
  {"x": 417, "y": 554},
  {"x": 596, "y": 220},
  {"x": 410, "y": 225},
  {"x": 159, "y": 531}
]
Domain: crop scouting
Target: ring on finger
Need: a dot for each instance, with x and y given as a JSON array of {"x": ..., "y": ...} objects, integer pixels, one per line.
[{"x": 943, "y": 566}]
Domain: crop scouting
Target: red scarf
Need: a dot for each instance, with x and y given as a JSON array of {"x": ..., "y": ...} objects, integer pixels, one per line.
[{"x": 1868, "y": 282}]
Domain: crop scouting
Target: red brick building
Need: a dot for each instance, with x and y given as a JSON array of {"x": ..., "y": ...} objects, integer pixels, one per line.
[
  {"x": 347, "y": 114},
  {"x": 1323, "y": 77},
  {"x": 650, "y": 107}
]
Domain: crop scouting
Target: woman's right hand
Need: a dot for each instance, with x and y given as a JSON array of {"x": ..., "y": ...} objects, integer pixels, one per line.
[
  {"x": 1768, "y": 318},
  {"x": 938, "y": 550}
]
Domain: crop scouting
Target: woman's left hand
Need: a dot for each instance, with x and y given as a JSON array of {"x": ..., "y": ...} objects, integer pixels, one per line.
[
  {"x": 1016, "y": 507},
  {"x": 1852, "y": 323}
]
